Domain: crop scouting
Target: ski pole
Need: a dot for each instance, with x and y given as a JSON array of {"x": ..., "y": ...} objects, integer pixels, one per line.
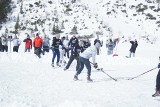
[
  {"x": 142, "y": 74},
  {"x": 101, "y": 69}
]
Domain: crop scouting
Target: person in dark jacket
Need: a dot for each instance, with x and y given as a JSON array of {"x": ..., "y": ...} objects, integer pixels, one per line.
[
  {"x": 73, "y": 42},
  {"x": 75, "y": 55},
  {"x": 86, "y": 43},
  {"x": 157, "y": 93},
  {"x": 133, "y": 48},
  {"x": 95, "y": 41},
  {"x": 28, "y": 43},
  {"x": 55, "y": 48}
]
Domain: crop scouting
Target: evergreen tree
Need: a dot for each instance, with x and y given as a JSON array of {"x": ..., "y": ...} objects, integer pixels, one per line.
[
  {"x": 17, "y": 26},
  {"x": 4, "y": 9}
]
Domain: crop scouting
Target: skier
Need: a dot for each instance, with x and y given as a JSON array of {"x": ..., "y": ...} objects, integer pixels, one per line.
[
  {"x": 133, "y": 48},
  {"x": 157, "y": 93},
  {"x": 46, "y": 44},
  {"x": 37, "y": 43},
  {"x": 16, "y": 44},
  {"x": 55, "y": 48},
  {"x": 84, "y": 60},
  {"x": 28, "y": 43},
  {"x": 75, "y": 55},
  {"x": 66, "y": 48},
  {"x": 110, "y": 45}
]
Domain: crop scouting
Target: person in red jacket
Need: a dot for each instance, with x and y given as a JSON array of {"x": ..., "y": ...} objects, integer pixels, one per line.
[
  {"x": 28, "y": 43},
  {"x": 37, "y": 43}
]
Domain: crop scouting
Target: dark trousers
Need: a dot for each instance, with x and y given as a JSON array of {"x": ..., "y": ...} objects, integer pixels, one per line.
[
  {"x": 45, "y": 49},
  {"x": 15, "y": 48},
  {"x": 158, "y": 81},
  {"x": 84, "y": 61},
  {"x": 72, "y": 57},
  {"x": 66, "y": 52},
  {"x": 4, "y": 48},
  {"x": 27, "y": 49},
  {"x": 56, "y": 53},
  {"x": 38, "y": 51}
]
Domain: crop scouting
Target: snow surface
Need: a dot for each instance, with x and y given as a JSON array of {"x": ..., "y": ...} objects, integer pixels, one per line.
[{"x": 27, "y": 81}]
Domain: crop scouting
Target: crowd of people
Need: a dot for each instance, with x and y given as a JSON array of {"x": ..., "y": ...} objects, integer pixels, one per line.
[{"x": 73, "y": 49}]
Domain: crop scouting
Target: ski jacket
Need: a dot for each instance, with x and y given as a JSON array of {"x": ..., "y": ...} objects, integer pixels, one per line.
[
  {"x": 56, "y": 42},
  {"x": 97, "y": 40},
  {"x": 133, "y": 46},
  {"x": 73, "y": 42},
  {"x": 66, "y": 43},
  {"x": 16, "y": 42},
  {"x": 90, "y": 52},
  {"x": 76, "y": 50},
  {"x": 28, "y": 43},
  {"x": 46, "y": 42},
  {"x": 86, "y": 44},
  {"x": 110, "y": 45},
  {"x": 4, "y": 41},
  {"x": 37, "y": 42}
]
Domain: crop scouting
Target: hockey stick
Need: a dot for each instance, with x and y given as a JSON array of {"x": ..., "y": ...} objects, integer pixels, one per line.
[
  {"x": 101, "y": 69},
  {"x": 141, "y": 74}
]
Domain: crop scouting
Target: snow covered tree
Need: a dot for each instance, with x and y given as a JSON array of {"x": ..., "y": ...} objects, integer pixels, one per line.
[
  {"x": 17, "y": 26},
  {"x": 4, "y": 9}
]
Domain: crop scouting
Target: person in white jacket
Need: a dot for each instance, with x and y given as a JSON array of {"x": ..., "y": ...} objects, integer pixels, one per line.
[
  {"x": 16, "y": 43},
  {"x": 84, "y": 60}
]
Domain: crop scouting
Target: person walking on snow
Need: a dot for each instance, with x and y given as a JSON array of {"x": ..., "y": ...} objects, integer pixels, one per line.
[
  {"x": 110, "y": 45},
  {"x": 46, "y": 44},
  {"x": 84, "y": 60},
  {"x": 55, "y": 49},
  {"x": 16, "y": 44},
  {"x": 157, "y": 93},
  {"x": 37, "y": 43},
  {"x": 28, "y": 43},
  {"x": 133, "y": 48},
  {"x": 75, "y": 55}
]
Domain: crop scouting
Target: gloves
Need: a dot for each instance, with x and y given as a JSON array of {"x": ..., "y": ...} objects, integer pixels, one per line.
[
  {"x": 159, "y": 65},
  {"x": 95, "y": 65}
]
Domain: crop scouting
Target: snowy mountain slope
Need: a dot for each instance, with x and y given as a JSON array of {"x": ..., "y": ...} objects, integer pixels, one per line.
[{"x": 120, "y": 18}]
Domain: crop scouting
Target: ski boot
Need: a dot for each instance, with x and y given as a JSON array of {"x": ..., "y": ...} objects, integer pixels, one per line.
[
  {"x": 157, "y": 93},
  {"x": 75, "y": 77},
  {"x": 89, "y": 79},
  {"x": 52, "y": 65},
  {"x": 58, "y": 65}
]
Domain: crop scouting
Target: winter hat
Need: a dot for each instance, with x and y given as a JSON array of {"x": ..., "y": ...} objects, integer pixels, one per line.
[{"x": 97, "y": 45}]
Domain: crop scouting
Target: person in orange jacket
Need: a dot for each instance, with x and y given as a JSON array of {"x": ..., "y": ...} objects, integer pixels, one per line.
[{"x": 37, "y": 43}]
